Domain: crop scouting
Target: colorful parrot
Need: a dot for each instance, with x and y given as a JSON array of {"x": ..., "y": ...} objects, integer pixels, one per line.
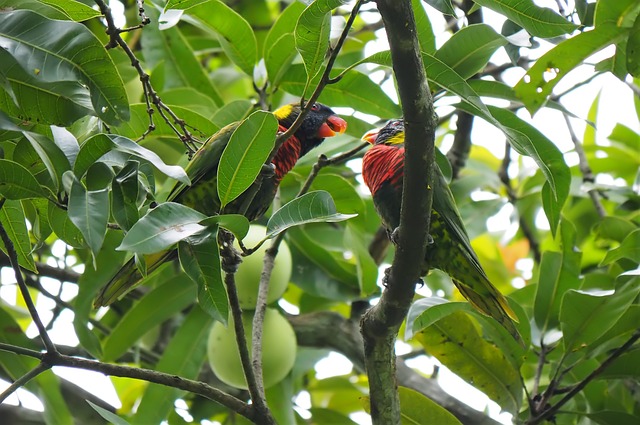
[
  {"x": 321, "y": 122},
  {"x": 450, "y": 251}
]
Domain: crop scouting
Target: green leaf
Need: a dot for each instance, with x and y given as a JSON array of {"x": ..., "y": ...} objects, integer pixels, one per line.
[
  {"x": 613, "y": 228},
  {"x": 200, "y": 259},
  {"x": 51, "y": 155},
  {"x": 630, "y": 248},
  {"x": 587, "y": 316},
  {"x": 355, "y": 90},
  {"x": 12, "y": 218},
  {"x": 184, "y": 356},
  {"x": 612, "y": 417},
  {"x": 183, "y": 4},
  {"x": 633, "y": 49},
  {"x": 365, "y": 265},
  {"x": 621, "y": 13},
  {"x": 312, "y": 207},
  {"x": 427, "y": 311},
  {"x": 56, "y": 102},
  {"x": 234, "y": 33},
  {"x": 74, "y": 10},
  {"x": 96, "y": 146},
  {"x": 454, "y": 340},
  {"x": 559, "y": 273},
  {"x": 67, "y": 142},
  {"x": 468, "y": 51},
  {"x": 161, "y": 227},
  {"x": 280, "y": 45},
  {"x": 417, "y": 409},
  {"x": 232, "y": 112},
  {"x": 89, "y": 211},
  {"x": 63, "y": 227},
  {"x": 16, "y": 182},
  {"x": 63, "y": 51},
  {"x": 538, "y": 21},
  {"x": 443, "y": 6},
  {"x": 245, "y": 154},
  {"x": 542, "y": 77},
  {"x": 235, "y": 223},
  {"x": 424, "y": 29},
  {"x": 154, "y": 308},
  {"x": 181, "y": 67},
  {"x": 110, "y": 417},
  {"x": 312, "y": 34},
  {"x": 200, "y": 125}
]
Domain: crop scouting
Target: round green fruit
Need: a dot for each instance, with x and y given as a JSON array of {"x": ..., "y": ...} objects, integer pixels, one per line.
[
  {"x": 248, "y": 275},
  {"x": 278, "y": 350}
]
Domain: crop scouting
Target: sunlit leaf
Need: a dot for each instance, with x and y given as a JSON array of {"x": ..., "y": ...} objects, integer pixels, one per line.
[
  {"x": 12, "y": 220},
  {"x": 245, "y": 154},
  {"x": 162, "y": 227},
  {"x": 417, "y": 409},
  {"x": 312, "y": 207}
]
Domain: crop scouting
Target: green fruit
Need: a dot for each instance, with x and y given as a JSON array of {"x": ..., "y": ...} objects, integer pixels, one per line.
[
  {"x": 278, "y": 349},
  {"x": 248, "y": 275}
]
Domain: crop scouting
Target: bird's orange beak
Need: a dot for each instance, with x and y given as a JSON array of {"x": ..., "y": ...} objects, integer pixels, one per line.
[
  {"x": 371, "y": 136},
  {"x": 333, "y": 125}
]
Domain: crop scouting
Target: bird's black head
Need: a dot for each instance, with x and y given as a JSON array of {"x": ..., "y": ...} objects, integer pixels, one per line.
[
  {"x": 391, "y": 134},
  {"x": 319, "y": 123}
]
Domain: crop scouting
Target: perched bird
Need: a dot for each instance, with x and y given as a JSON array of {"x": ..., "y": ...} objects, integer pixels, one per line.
[
  {"x": 321, "y": 122},
  {"x": 450, "y": 250}
]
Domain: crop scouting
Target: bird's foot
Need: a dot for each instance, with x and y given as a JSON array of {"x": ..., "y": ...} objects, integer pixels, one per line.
[
  {"x": 420, "y": 282},
  {"x": 430, "y": 240},
  {"x": 394, "y": 235},
  {"x": 268, "y": 170}
]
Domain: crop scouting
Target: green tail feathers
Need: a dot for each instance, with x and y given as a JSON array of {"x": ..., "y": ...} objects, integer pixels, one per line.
[{"x": 128, "y": 277}]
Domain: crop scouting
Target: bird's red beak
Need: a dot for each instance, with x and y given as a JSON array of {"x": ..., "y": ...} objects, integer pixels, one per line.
[
  {"x": 371, "y": 136},
  {"x": 333, "y": 125}
]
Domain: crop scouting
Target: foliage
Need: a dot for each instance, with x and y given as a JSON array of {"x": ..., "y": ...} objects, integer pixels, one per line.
[{"x": 90, "y": 146}]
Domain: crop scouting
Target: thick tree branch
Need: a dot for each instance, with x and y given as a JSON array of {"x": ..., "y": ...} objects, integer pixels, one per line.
[{"x": 381, "y": 323}]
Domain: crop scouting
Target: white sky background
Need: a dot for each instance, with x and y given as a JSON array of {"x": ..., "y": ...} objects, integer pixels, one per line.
[{"x": 616, "y": 106}]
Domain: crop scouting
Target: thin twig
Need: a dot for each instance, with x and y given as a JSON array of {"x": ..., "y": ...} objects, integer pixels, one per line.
[
  {"x": 503, "y": 174},
  {"x": 580, "y": 386},
  {"x": 20, "y": 382},
  {"x": 13, "y": 257},
  {"x": 585, "y": 169}
]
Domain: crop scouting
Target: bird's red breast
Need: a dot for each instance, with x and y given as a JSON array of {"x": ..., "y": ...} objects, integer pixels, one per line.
[
  {"x": 287, "y": 155},
  {"x": 383, "y": 164}
]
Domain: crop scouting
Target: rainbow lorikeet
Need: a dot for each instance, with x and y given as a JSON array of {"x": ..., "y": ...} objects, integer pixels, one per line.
[
  {"x": 450, "y": 251},
  {"x": 321, "y": 122}
]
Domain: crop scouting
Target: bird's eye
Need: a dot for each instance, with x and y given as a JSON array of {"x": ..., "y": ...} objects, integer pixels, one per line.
[{"x": 315, "y": 107}]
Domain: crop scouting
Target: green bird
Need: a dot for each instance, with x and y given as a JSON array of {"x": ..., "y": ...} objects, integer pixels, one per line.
[
  {"x": 202, "y": 195},
  {"x": 450, "y": 250}
]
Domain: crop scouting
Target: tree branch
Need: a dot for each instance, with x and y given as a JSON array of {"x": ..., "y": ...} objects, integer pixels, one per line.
[{"x": 381, "y": 323}]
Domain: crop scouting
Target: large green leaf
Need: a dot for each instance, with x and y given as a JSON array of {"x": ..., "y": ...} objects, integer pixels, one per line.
[
  {"x": 153, "y": 309},
  {"x": 12, "y": 219},
  {"x": 633, "y": 49},
  {"x": 616, "y": 12},
  {"x": 365, "y": 265},
  {"x": 63, "y": 51},
  {"x": 587, "y": 316},
  {"x": 89, "y": 211},
  {"x": 542, "y": 77},
  {"x": 454, "y": 340},
  {"x": 417, "y": 409},
  {"x": 184, "y": 357},
  {"x": 312, "y": 207},
  {"x": 312, "y": 34},
  {"x": 629, "y": 248},
  {"x": 234, "y": 32},
  {"x": 16, "y": 182},
  {"x": 161, "y": 227},
  {"x": 469, "y": 50},
  {"x": 245, "y": 154},
  {"x": 424, "y": 28},
  {"x": 280, "y": 45},
  {"x": 355, "y": 90},
  {"x": 538, "y": 21},
  {"x": 96, "y": 146},
  {"x": 200, "y": 259},
  {"x": 54, "y": 102},
  {"x": 427, "y": 311},
  {"x": 51, "y": 156},
  {"x": 181, "y": 67}
]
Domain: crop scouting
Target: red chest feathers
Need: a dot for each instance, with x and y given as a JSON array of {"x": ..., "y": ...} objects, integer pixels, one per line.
[
  {"x": 287, "y": 155},
  {"x": 383, "y": 164}
]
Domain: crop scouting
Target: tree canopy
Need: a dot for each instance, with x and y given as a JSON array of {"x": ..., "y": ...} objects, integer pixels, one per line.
[{"x": 103, "y": 105}]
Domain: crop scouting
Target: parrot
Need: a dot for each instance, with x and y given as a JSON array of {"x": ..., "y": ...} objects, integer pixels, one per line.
[
  {"x": 320, "y": 123},
  {"x": 449, "y": 247}
]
